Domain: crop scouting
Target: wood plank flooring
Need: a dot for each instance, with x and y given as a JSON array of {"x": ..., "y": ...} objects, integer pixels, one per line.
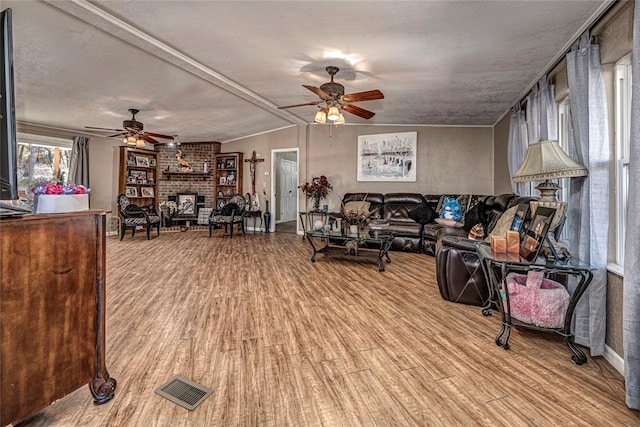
[{"x": 284, "y": 342}]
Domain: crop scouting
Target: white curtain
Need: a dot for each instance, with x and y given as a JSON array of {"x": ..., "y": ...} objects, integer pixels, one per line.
[
  {"x": 631, "y": 304},
  {"x": 517, "y": 148},
  {"x": 589, "y": 196},
  {"x": 79, "y": 162},
  {"x": 542, "y": 112}
]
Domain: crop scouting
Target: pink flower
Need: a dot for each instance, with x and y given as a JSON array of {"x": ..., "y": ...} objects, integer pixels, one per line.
[{"x": 53, "y": 189}]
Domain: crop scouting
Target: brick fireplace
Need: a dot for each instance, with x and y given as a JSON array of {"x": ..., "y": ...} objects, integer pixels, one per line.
[{"x": 195, "y": 153}]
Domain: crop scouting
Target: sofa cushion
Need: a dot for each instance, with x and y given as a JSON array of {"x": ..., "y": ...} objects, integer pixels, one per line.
[
  {"x": 398, "y": 205},
  {"x": 411, "y": 229}
]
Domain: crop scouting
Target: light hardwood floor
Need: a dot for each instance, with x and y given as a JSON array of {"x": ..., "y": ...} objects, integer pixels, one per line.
[{"x": 284, "y": 342}]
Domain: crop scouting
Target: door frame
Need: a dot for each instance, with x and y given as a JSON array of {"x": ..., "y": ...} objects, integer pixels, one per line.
[{"x": 274, "y": 170}]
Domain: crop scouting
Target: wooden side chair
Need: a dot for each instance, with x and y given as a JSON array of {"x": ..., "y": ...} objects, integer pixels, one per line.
[
  {"x": 134, "y": 216},
  {"x": 230, "y": 215}
]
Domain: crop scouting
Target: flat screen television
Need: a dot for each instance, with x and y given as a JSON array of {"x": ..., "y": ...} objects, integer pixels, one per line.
[{"x": 8, "y": 140}]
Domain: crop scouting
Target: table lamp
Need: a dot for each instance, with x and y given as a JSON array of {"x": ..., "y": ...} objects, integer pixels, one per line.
[{"x": 545, "y": 160}]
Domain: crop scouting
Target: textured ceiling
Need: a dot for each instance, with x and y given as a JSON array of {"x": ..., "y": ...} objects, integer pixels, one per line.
[{"x": 214, "y": 70}]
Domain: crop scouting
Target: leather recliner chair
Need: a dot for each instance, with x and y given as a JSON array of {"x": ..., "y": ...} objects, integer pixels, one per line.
[{"x": 458, "y": 271}]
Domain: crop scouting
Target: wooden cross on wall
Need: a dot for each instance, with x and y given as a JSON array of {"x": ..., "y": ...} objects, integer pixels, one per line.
[{"x": 252, "y": 170}]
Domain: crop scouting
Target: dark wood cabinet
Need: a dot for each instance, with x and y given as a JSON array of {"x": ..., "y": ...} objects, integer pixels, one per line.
[
  {"x": 52, "y": 311},
  {"x": 228, "y": 177},
  {"x": 138, "y": 177}
]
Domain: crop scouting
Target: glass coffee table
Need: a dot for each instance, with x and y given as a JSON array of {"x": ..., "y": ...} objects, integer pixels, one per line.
[{"x": 354, "y": 245}]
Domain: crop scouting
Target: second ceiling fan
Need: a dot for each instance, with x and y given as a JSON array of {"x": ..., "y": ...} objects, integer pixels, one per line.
[{"x": 332, "y": 95}]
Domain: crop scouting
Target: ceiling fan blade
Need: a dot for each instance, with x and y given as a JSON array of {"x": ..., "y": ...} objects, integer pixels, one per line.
[
  {"x": 369, "y": 95},
  {"x": 300, "y": 105},
  {"x": 117, "y": 134},
  {"x": 354, "y": 109},
  {"x": 159, "y": 135},
  {"x": 148, "y": 138},
  {"x": 109, "y": 129},
  {"x": 322, "y": 94}
]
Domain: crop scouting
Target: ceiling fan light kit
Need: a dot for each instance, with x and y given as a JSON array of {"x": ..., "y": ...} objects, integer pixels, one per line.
[
  {"x": 133, "y": 132},
  {"x": 333, "y": 99}
]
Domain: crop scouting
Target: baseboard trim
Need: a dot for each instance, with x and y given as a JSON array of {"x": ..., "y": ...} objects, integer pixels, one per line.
[
  {"x": 112, "y": 233},
  {"x": 614, "y": 359}
]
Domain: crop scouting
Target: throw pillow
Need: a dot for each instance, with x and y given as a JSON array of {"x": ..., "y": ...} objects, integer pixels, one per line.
[
  {"x": 423, "y": 214},
  {"x": 476, "y": 233},
  {"x": 476, "y": 215},
  {"x": 504, "y": 224},
  {"x": 448, "y": 222},
  {"x": 451, "y": 209}
]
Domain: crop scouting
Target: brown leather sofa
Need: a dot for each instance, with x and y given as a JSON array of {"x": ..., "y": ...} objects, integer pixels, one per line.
[
  {"x": 395, "y": 208},
  {"x": 458, "y": 271}
]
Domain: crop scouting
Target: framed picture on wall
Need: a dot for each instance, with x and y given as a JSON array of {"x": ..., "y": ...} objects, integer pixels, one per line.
[{"x": 387, "y": 157}]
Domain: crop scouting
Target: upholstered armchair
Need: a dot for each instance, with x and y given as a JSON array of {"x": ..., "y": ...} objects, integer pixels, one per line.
[
  {"x": 134, "y": 216},
  {"x": 230, "y": 215}
]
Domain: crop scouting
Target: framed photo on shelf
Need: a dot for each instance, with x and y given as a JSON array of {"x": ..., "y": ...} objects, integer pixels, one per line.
[
  {"x": 131, "y": 161},
  {"x": 139, "y": 177},
  {"x": 142, "y": 161},
  {"x": 223, "y": 180},
  {"x": 536, "y": 233},
  {"x": 187, "y": 204},
  {"x": 147, "y": 191},
  {"x": 230, "y": 164},
  {"x": 131, "y": 191},
  {"x": 152, "y": 162}
]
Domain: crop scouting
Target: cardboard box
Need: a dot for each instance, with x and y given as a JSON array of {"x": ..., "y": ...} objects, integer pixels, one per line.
[{"x": 48, "y": 203}]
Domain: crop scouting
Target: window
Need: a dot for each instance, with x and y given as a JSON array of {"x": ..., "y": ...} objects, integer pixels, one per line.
[
  {"x": 622, "y": 111},
  {"x": 41, "y": 159},
  {"x": 563, "y": 140}
]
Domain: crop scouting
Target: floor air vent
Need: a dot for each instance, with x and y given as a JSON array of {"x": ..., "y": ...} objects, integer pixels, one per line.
[{"x": 183, "y": 392}]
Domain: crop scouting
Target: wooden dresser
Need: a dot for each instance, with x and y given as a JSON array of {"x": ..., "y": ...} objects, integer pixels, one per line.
[{"x": 52, "y": 311}]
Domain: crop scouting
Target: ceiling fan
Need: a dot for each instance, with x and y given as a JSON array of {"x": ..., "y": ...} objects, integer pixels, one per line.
[
  {"x": 133, "y": 131},
  {"x": 332, "y": 95}
]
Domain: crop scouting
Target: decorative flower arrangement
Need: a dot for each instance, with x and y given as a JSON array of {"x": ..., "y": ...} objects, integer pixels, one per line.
[
  {"x": 318, "y": 188},
  {"x": 59, "y": 189},
  {"x": 170, "y": 205}
]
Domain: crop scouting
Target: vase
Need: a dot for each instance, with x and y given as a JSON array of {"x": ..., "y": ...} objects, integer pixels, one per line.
[
  {"x": 267, "y": 217},
  {"x": 316, "y": 203}
]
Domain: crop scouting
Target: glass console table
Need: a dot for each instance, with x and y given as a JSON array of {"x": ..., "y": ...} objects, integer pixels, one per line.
[
  {"x": 497, "y": 266},
  {"x": 359, "y": 245}
]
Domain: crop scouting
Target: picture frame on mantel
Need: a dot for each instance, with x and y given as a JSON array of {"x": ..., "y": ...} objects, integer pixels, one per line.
[{"x": 387, "y": 157}]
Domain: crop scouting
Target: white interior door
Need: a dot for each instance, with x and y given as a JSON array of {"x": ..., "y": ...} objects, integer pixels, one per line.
[{"x": 288, "y": 194}]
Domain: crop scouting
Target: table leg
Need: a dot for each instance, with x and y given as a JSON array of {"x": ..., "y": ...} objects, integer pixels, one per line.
[
  {"x": 304, "y": 228},
  {"x": 315, "y": 251},
  {"x": 577, "y": 356}
]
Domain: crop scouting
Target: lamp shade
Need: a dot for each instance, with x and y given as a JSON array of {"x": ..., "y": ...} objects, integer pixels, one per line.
[
  {"x": 546, "y": 160},
  {"x": 140, "y": 143},
  {"x": 333, "y": 114},
  {"x": 340, "y": 120},
  {"x": 321, "y": 117}
]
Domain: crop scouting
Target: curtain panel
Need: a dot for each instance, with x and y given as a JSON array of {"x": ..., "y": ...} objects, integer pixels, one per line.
[
  {"x": 517, "y": 148},
  {"x": 589, "y": 196},
  {"x": 631, "y": 304},
  {"x": 79, "y": 162}
]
